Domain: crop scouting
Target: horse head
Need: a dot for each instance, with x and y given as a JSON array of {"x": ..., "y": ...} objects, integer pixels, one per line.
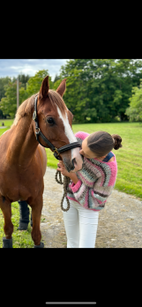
[{"x": 55, "y": 122}]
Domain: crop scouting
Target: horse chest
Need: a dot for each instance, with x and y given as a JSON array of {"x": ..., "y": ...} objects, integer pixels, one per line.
[{"x": 9, "y": 187}]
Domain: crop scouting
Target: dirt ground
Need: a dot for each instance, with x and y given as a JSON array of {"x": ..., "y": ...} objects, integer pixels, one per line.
[{"x": 120, "y": 222}]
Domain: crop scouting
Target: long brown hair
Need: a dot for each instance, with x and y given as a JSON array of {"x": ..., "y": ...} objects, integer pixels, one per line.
[{"x": 101, "y": 142}]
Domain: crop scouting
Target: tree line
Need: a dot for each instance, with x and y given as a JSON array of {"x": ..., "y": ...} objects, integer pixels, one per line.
[
  {"x": 98, "y": 90},
  {"x": 8, "y": 94}
]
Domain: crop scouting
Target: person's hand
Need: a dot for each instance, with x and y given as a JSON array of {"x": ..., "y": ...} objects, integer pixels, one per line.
[
  {"x": 62, "y": 169},
  {"x": 64, "y": 172}
]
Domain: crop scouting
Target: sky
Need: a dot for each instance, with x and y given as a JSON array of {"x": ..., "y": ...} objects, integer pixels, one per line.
[{"x": 13, "y": 67}]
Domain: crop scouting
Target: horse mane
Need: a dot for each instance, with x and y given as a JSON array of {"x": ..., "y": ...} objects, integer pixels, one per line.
[
  {"x": 27, "y": 106},
  {"x": 24, "y": 109},
  {"x": 55, "y": 98}
]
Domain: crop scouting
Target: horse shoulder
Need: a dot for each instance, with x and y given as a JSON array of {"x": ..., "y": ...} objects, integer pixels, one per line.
[{"x": 43, "y": 157}]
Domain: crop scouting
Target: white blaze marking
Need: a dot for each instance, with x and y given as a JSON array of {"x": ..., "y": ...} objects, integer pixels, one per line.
[
  {"x": 68, "y": 131},
  {"x": 71, "y": 137}
]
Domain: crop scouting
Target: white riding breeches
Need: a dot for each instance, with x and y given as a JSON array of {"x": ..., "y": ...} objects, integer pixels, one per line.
[{"x": 80, "y": 225}]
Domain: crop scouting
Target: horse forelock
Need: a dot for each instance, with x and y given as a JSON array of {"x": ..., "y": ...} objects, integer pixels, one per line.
[{"x": 57, "y": 100}]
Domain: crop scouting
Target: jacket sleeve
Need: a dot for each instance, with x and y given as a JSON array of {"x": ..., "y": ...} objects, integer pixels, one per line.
[{"x": 84, "y": 192}]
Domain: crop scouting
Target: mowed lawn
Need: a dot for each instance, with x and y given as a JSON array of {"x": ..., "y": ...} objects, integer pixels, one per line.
[{"x": 129, "y": 178}]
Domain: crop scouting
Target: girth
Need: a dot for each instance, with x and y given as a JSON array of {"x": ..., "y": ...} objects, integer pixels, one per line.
[{"x": 57, "y": 151}]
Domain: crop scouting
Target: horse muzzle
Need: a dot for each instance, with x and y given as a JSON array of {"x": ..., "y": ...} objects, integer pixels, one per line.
[{"x": 73, "y": 165}]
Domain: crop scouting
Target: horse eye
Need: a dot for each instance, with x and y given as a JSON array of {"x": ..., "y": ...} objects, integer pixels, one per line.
[{"x": 50, "y": 121}]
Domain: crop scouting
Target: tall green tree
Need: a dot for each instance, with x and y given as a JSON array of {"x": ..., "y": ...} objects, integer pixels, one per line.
[
  {"x": 57, "y": 77},
  {"x": 99, "y": 89},
  {"x": 76, "y": 96},
  {"x": 8, "y": 103},
  {"x": 134, "y": 112},
  {"x": 34, "y": 83},
  {"x": 3, "y": 82}
]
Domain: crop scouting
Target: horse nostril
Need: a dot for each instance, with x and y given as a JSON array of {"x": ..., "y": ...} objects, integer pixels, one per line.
[
  {"x": 69, "y": 165},
  {"x": 74, "y": 163}
]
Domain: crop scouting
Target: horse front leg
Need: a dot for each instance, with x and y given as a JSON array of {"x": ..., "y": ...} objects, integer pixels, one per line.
[
  {"x": 36, "y": 215},
  {"x": 5, "y": 206}
]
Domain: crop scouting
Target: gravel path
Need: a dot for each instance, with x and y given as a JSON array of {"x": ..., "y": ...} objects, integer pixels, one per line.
[{"x": 120, "y": 222}]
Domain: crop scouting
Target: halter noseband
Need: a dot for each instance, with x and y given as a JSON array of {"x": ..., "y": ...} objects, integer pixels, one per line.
[{"x": 57, "y": 151}]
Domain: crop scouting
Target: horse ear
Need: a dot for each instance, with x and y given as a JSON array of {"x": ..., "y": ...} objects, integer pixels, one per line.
[
  {"x": 44, "y": 88},
  {"x": 61, "y": 88}
]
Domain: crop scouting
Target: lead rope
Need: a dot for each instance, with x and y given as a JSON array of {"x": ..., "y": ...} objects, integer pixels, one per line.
[{"x": 65, "y": 183}]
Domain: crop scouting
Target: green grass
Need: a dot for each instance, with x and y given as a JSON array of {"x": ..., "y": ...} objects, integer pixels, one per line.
[
  {"x": 129, "y": 160},
  {"x": 7, "y": 122}
]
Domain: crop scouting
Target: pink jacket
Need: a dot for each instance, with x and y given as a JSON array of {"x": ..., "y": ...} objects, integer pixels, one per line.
[{"x": 96, "y": 181}]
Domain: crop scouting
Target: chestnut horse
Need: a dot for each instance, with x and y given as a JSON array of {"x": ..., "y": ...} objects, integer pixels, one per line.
[{"x": 23, "y": 160}]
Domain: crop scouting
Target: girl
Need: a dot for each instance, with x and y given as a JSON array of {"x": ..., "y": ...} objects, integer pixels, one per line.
[{"x": 90, "y": 187}]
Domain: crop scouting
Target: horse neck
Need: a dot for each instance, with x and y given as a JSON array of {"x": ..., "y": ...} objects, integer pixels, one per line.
[{"x": 23, "y": 143}]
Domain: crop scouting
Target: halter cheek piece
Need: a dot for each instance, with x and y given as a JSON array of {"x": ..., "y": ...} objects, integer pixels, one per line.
[{"x": 57, "y": 151}]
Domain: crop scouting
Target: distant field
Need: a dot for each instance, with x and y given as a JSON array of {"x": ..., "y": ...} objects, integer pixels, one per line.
[
  {"x": 7, "y": 124},
  {"x": 129, "y": 157}
]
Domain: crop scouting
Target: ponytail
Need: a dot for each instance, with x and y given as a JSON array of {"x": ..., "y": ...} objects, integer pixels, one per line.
[
  {"x": 116, "y": 141},
  {"x": 101, "y": 142}
]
